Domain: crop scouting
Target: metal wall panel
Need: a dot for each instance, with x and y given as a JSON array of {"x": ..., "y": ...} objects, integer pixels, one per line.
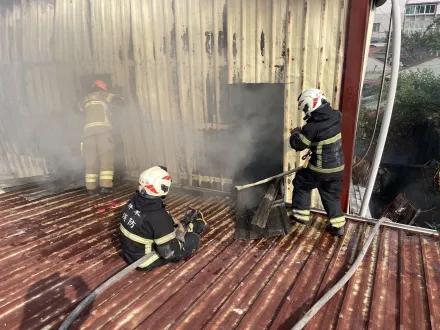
[
  {"x": 314, "y": 59},
  {"x": 257, "y": 41},
  {"x": 175, "y": 61}
]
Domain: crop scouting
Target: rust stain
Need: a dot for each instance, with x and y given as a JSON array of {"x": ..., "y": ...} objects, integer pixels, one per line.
[
  {"x": 52, "y": 257},
  {"x": 384, "y": 306}
]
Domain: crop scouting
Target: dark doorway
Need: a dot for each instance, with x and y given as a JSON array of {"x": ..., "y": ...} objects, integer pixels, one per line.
[
  {"x": 250, "y": 146},
  {"x": 257, "y": 119}
]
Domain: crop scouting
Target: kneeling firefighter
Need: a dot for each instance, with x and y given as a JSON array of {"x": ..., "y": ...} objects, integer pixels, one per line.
[
  {"x": 98, "y": 146},
  {"x": 325, "y": 169},
  {"x": 146, "y": 226}
]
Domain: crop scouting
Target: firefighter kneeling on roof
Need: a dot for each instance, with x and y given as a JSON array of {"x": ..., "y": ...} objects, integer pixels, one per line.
[
  {"x": 325, "y": 169},
  {"x": 146, "y": 226}
]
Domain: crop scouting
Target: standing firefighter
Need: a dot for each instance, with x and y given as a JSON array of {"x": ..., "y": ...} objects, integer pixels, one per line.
[
  {"x": 98, "y": 145},
  {"x": 146, "y": 226},
  {"x": 325, "y": 169}
]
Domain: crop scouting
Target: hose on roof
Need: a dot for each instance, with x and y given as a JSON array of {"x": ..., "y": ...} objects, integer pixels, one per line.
[
  {"x": 92, "y": 296},
  {"x": 321, "y": 302}
]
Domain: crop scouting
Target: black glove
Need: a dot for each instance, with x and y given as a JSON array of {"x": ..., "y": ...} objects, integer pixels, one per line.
[
  {"x": 199, "y": 225},
  {"x": 295, "y": 130}
]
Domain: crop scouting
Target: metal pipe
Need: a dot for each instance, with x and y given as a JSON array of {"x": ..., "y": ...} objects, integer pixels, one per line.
[
  {"x": 250, "y": 185},
  {"x": 389, "y": 109},
  {"x": 390, "y": 224}
]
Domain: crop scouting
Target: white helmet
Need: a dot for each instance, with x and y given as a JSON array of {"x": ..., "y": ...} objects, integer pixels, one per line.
[
  {"x": 310, "y": 100},
  {"x": 154, "y": 182}
]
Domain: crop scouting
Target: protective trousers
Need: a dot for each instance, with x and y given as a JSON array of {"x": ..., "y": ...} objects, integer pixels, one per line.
[
  {"x": 329, "y": 189},
  {"x": 191, "y": 244},
  {"x": 98, "y": 152}
]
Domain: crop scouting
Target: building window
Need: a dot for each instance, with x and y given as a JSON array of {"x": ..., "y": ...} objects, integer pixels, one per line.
[
  {"x": 410, "y": 10},
  {"x": 420, "y": 10},
  {"x": 430, "y": 9},
  {"x": 376, "y": 27}
]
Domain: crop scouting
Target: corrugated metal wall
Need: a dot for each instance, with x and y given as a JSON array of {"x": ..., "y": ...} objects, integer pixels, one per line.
[
  {"x": 314, "y": 59},
  {"x": 174, "y": 60}
]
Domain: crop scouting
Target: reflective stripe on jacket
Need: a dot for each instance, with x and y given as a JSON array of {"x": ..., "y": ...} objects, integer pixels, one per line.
[
  {"x": 97, "y": 113},
  {"x": 322, "y": 135},
  {"x": 145, "y": 227}
]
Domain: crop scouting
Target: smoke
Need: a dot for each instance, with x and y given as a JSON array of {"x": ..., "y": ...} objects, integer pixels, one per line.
[
  {"x": 42, "y": 130},
  {"x": 42, "y": 141},
  {"x": 252, "y": 149},
  {"x": 249, "y": 150},
  {"x": 248, "y": 147}
]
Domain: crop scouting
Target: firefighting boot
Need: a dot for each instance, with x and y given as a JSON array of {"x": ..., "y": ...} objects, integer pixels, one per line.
[
  {"x": 334, "y": 231},
  {"x": 106, "y": 191},
  {"x": 301, "y": 216}
]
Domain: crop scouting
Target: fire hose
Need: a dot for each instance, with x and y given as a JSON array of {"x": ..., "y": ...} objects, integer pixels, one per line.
[
  {"x": 92, "y": 296},
  {"x": 324, "y": 299},
  {"x": 191, "y": 215}
]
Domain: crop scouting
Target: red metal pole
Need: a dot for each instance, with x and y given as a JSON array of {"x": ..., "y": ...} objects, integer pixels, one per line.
[{"x": 355, "y": 44}]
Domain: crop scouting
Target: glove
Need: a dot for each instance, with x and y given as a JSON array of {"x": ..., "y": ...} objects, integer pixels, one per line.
[
  {"x": 180, "y": 235},
  {"x": 199, "y": 225},
  {"x": 295, "y": 130}
]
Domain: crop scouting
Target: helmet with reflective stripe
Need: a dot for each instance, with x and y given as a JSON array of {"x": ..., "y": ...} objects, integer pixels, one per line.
[
  {"x": 101, "y": 84},
  {"x": 310, "y": 100},
  {"x": 154, "y": 182}
]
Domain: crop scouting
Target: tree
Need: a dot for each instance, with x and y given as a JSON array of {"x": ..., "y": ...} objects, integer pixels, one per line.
[
  {"x": 417, "y": 99},
  {"x": 420, "y": 46}
]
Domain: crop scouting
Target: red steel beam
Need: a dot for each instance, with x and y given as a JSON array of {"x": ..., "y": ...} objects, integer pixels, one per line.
[{"x": 355, "y": 44}]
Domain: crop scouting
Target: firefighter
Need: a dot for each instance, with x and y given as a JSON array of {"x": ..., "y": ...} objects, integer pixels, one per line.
[
  {"x": 325, "y": 168},
  {"x": 147, "y": 227},
  {"x": 98, "y": 146}
]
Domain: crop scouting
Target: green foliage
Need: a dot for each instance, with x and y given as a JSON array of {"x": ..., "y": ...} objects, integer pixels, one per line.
[
  {"x": 365, "y": 124},
  {"x": 370, "y": 89},
  {"x": 417, "y": 95},
  {"x": 417, "y": 99},
  {"x": 420, "y": 46},
  {"x": 418, "y": 92}
]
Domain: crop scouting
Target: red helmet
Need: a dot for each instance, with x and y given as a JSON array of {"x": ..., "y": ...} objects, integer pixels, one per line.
[{"x": 101, "y": 84}]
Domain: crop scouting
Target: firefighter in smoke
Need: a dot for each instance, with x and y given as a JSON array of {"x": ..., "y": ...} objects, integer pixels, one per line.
[
  {"x": 325, "y": 168},
  {"x": 147, "y": 227},
  {"x": 98, "y": 147}
]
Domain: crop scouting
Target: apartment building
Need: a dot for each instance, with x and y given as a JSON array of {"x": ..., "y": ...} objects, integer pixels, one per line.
[{"x": 420, "y": 14}]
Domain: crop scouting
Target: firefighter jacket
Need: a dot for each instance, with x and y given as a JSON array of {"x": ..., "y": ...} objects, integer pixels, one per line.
[
  {"x": 322, "y": 135},
  {"x": 96, "y": 107},
  {"x": 146, "y": 227}
]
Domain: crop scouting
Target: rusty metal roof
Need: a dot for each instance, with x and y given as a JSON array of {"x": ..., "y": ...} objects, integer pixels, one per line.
[{"x": 56, "y": 250}]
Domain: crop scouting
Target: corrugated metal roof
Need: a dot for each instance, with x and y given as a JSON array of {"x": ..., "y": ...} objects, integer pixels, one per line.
[
  {"x": 433, "y": 64},
  {"x": 56, "y": 250}
]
